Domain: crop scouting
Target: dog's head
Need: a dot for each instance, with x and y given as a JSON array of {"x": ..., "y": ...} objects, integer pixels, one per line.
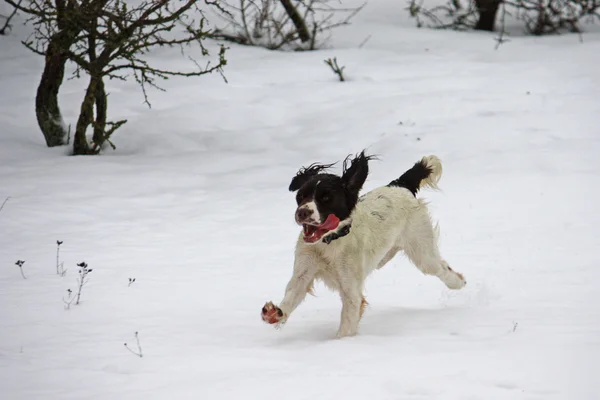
[{"x": 326, "y": 201}]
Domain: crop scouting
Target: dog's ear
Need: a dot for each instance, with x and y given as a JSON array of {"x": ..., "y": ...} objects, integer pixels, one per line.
[
  {"x": 356, "y": 174},
  {"x": 305, "y": 173}
]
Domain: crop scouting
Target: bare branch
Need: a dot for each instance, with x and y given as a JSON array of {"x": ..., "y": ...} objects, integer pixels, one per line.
[
  {"x": 5, "y": 200},
  {"x": 27, "y": 10},
  {"x": 7, "y": 24}
]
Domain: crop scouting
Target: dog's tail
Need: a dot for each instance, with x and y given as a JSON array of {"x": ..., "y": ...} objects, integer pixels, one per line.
[{"x": 425, "y": 173}]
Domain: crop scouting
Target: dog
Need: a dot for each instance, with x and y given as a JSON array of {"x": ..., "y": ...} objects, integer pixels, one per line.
[{"x": 345, "y": 237}]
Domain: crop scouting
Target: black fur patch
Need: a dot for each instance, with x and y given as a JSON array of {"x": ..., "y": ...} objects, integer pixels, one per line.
[
  {"x": 412, "y": 178},
  {"x": 305, "y": 173}
]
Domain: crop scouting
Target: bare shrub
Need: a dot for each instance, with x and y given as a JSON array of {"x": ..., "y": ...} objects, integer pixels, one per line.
[
  {"x": 108, "y": 40},
  {"x": 555, "y": 16},
  {"x": 540, "y": 17},
  {"x": 279, "y": 24}
]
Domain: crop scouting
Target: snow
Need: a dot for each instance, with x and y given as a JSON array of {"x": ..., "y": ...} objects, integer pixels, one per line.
[{"x": 194, "y": 205}]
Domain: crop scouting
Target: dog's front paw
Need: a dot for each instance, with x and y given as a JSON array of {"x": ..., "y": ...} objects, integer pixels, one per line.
[{"x": 271, "y": 314}]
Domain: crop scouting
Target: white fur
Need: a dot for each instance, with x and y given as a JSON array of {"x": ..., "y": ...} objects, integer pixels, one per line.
[
  {"x": 315, "y": 217},
  {"x": 385, "y": 221}
]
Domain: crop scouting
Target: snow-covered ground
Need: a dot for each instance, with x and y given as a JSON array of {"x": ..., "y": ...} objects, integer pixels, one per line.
[{"x": 194, "y": 206}]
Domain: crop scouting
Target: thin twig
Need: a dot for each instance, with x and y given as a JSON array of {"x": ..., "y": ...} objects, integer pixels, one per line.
[
  {"x": 69, "y": 299},
  {"x": 7, "y": 24},
  {"x": 360, "y": 46},
  {"x": 139, "y": 352},
  {"x": 83, "y": 272},
  {"x": 500, "y": 39},
  {"x": 58, "y": 243},
  {"x": 19, "y": 264},
  {"x": 339, "y": 71},
  {"x": 5, "y": 200}
]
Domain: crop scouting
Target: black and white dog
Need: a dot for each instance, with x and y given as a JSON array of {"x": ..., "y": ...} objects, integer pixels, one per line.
[{"x": 344, "y": 238}]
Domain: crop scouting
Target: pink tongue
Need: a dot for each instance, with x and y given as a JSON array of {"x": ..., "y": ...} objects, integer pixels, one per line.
[{"x": 330, "y": 223}]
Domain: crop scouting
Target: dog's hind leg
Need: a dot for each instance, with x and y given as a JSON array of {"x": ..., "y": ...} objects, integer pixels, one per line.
[
  {"x": 427, "y": 259},
  {"x": 420, "y": 245}
]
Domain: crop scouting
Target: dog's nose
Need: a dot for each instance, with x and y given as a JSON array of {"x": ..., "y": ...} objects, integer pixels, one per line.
[{"x": 303, "y": 213}]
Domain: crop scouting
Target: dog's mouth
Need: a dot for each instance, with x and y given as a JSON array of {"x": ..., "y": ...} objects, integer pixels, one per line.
[{"x": 314, "y": 233}]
